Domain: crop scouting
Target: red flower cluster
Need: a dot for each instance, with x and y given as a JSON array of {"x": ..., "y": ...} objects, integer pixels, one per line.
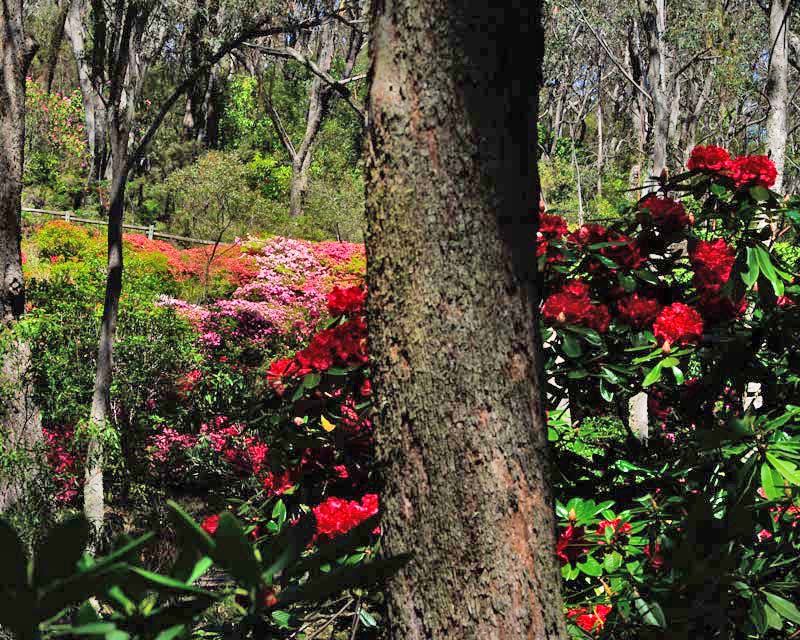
[
  {"x": 343, "y": 345},
  {"x": 550, "y": 228},
  {"x": 336, "y": 516},
  {"x": 678, "y": 324},
  {"x": 348, "y": 301},
  {"x": 665, "y": 213},
  {"x": 745, "y": 170},
  {"x": 708, "y": 158},
  {"x": 572, "y": 305},
  {"x": 591, "y": 621},
  {"x": 571, "y": 545},
  {"x": 618, "y": 527},
  {"x": 713, "y": 262},
  {"x": 638, "y": 311},
  {"x": 625, "y": 254},
  {"x": 753, "y": 170},
  {"x": 210, "y": 524}
]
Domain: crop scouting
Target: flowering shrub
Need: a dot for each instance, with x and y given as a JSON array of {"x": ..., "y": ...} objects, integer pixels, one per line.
[{"x": 693, "y": 310}]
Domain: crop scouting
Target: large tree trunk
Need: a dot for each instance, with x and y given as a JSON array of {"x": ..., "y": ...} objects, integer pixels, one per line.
[
  {"x": 20, "y": 427},
  {"x": 777, "y": 85},
  {"x": 452, "y": 193},
  {"x": 93, "y": 497},
  {"x": 653, "y": 13}
]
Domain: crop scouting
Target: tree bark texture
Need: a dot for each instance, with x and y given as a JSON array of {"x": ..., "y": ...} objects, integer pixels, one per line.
[
  {"x": 452, "y": 190},
  {"x": 778, "y": 85},
  {"x": 20, "y": 426}
]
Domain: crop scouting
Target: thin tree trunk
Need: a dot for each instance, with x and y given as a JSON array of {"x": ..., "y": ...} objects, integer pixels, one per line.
[
  {"x": 93, "y": 497},
  {"x": 20, "y": 426},
  {"x": 653, "y": 13},
  {"x": 778, "y": 86},
  {"x": 56, "y": 39},
  {"x": 452, "y": 191}
]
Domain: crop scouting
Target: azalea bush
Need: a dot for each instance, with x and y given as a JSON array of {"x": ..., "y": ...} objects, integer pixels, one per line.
[{"x": 691, "y": 533}]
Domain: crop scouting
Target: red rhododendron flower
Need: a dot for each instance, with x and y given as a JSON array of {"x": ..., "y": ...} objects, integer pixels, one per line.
[
  {"x": 763, "y": 535},
  {"x": 346, "y": 301},
  {"x": 572, "y": 305},
  {"x": 784, "y": 301},
  {"x": 716, "y": 307},
  {"x": 552, "y": 226},
  {"x": 618, "y": 527},
  {"x": 588, "y": 234},
  {"x": 678, "y": 324},
  {"x": 571, "y": 545},
  {"x": 753, "y": 170},
  {"x": 708, "y": 158},
  {"x": 666, "y": 214},
  {"x": 336, "y": 516},
  {"x": 593, "y": 621},
  {"x": 638, "y": 311},
  {"x": 712, "y": 262},
  {"x": 366, "y": 389},
  {"x": 210, "y": 524},
  {"x": 343, "y": 345}
]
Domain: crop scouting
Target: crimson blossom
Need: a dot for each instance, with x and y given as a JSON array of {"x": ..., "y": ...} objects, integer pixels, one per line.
[
  {"x": 667, "y": 214},
  {"x": 753, "y": 170},
  {"x": 590, "y": 621},
  {"x": 708, "y": 158},
  {"x": 572, "y": 305},
  {"x": 678, "y": 324},
  {"x": 638, "y": 311}
]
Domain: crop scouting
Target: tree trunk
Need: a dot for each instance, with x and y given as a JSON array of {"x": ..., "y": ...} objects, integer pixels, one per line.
[
  {"x": 451, "y": 207},
  {"x": 95, "y": 111},
  {"x": 777, "y": 85},
  {"x": 20, "y": 426},
  {"x": 55, "y": 45},
  {"x": 93, "y": 498},
  {"x": 653, "y": 14},
  {"x": 299, "y": 186}
]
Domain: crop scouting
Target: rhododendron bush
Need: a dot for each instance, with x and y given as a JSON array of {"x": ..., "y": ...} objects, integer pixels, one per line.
[{"x": 692, "y": 532}]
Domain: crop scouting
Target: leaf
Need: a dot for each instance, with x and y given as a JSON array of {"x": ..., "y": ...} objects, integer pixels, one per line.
[
  {"x": 786, "y": 469},
  {"x": 166, "y": 584},
  {"x": 679, "y": 378},
  {"x": 60, "y": 550},
  {"x": 612, "y": 562},
  {"x": 773, "y": 618},
  {"x": 752, "y": 268},
  {"x": 759, "y": 193},
  {"x": 327, "y": 424},
  {"x": 571, "y": 345},
  {"x": 651, "y": 613},
  {"x": 784, "y": 607},
  {"x": 767, "y": 482},
  {"x": 311, "y": 380},
  {"x": 234, "y": 552},
  {"x": 591, "y": 567},
  {"x": 654, "y": 375},
  {"x": 192, "y": 531},
  {"x": 765, "y": 264},
  {"x": 606, "y": 393}
]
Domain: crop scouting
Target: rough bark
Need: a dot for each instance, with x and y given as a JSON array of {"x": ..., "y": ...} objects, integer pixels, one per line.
[
  {"x": 19, "y": 422},
  {"x": 452, "y": 193},
  {"x": 653, "y": 14},
  {"x": 777, "y": 90}
]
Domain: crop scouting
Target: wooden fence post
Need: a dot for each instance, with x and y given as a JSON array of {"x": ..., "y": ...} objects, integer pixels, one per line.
[{"x": 150, "y": 230}]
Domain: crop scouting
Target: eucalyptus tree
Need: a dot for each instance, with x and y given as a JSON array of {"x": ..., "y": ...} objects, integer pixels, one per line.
[
  {"x": 20, "y": 427},
  {"x": 452, "y": 302}
]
